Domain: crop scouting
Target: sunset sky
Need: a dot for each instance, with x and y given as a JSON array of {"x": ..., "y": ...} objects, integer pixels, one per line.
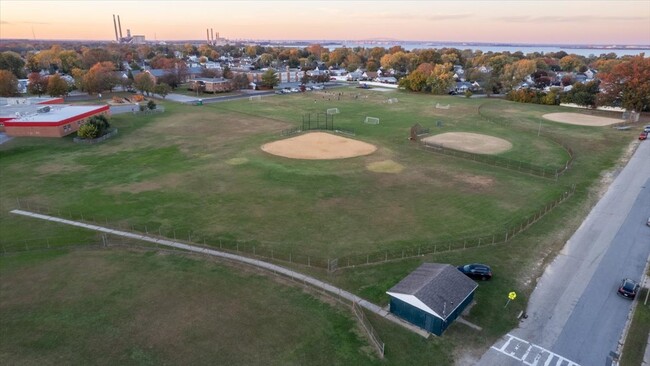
[{"x": 557, "y": 22}]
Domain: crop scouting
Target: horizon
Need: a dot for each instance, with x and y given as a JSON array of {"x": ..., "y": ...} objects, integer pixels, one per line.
[{"x": 595, "y": 23}]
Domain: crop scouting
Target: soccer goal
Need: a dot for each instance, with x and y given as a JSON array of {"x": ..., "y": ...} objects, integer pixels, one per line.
[
  {"x": 392, "y": 100},
  {"x": 255, "y": 97},
  {"x": 372, "y": 120},
  {"x": 332, "y": 111}
]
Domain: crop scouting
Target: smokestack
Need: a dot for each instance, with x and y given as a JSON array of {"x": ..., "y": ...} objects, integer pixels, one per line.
[
  {"x": 119, "y": 25},
  {"x": 212, "y": 33},
  {"x": 115, "y": 26},
  {"x": 217, "y": 36},
  {"x": 207, "y": 34},
  {"x": 128, "y": 33}
]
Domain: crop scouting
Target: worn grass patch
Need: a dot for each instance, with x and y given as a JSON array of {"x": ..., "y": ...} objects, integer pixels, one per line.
[
  {"x": 114, "y": 307},
  {"x": 386, "y": 166}
]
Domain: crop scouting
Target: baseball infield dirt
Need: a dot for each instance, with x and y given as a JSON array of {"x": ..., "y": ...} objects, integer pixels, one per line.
[
  {"x": 470, "y": 142},
  {"x": 319, "y": 146},
  {"x": 581, "y": 119}
]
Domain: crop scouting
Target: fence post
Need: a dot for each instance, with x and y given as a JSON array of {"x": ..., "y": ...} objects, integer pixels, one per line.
[
  {"x": 174, "y": 230},
  {"x": 290, "y": 257},
  {"x": 308, "y": 261},
  {"x": 145, "y": 230},
  {"x": 506, "y": 236},
  {"x": 493, "y": 239}
]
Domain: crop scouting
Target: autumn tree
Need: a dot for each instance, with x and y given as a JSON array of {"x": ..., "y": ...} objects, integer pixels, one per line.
[
  {"x": 37, "y": 84},
  {"x": 570, "y": 62},
  {"x": 8, "y": 84},
  {"x": 143, "y": 82},
  {"x": 582, "y": 94},
  {"x": 70, "y": 60},
  {"x": 441, "y": 79},
  {"x": 162, "y": 89},
  {"x": 240, "y": 81},
  {"x": 629, "y": 83},
  {"x": 100, "y": 77},
  {"x": 56, "y": 86},
  {"x": 93, "y": 56},
  {"x": 270, "y": 78},
  {"x": 516, "y": 72},
  {"x": 12, "y": 62}
]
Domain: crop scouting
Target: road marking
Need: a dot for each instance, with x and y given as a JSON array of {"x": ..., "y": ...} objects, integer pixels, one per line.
[{"x": 535, "y": 349}]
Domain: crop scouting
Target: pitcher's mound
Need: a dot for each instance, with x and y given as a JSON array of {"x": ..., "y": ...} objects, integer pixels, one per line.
[
  {"x": 319, "y": 146},
  {"x": 470, "y": 142},
  {"x": 581, "y": 119}
]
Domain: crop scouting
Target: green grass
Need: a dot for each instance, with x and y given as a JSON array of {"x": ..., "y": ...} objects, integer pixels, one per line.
[
  {"x": 199, "y": 171},
  {"x": 637, "y": 336},
  {"x": 116, "y": 307}
]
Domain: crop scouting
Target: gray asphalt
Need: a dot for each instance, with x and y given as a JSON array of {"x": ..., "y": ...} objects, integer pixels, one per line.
[{"x": 574, "y": 314}]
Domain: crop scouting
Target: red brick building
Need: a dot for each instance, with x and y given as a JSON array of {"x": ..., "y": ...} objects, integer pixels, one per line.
[{"x": 51, "y": 120}]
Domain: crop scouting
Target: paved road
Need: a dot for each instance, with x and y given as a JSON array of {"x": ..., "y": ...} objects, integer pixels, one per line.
[{"x": 575, "y": 316}]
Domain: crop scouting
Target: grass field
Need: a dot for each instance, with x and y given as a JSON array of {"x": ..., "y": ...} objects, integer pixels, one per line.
[{"x": 200, "y": 170}]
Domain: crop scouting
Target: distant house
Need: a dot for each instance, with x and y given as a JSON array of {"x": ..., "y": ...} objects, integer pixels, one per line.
[
  {"x": 432, "y": 296},
  {"x": 211, "y": 85},
  {"x": 590, "y": 73},
  {"x": 369, "y": 75},
  {"x": 386, "y": 79},
  {"x": 354, "y": 76}
]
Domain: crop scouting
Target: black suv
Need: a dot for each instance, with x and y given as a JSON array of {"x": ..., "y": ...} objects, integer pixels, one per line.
[{"x": 476, "y": 271}]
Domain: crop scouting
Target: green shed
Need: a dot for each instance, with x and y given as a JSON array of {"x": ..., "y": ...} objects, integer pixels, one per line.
[{"x": 432, "y": 296}]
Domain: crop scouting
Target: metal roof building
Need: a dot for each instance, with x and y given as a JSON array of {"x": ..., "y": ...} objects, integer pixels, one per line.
[{"x": 432, "y": 296}]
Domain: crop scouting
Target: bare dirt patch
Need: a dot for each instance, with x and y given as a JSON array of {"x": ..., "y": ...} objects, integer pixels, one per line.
[
  {"x": 581, "y": 119},
  {"x": 57, "y": 168},
  {"x": 319, "y": 146},
  {"x": 386, "y": 166},
  {"x": 471, "y": 142}
]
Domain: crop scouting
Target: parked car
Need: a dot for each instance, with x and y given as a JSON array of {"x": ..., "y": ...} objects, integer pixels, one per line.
[
  {"x": 476, "y": 271},
  {"x": 648, "y": 223},
  {"x": 643, "y": 135},
  {"x": 646, "y": 128},
  {"x": 628, "y": 288}
]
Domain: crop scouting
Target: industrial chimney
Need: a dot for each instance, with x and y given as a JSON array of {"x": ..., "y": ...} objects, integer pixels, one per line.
[
  {"x": 212, "y": 34},
  {"x": 119, "y": 25},
  {"x": 207, "y": 34},
  {"x": 115, "y": 26}
]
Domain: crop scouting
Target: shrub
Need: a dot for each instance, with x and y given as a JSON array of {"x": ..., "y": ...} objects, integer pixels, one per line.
[
  {"x": 88, "y": 131},
  {"x": 151, "y": 105}
]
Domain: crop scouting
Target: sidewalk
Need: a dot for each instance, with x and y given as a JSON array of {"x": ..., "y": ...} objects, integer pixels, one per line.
[{"x": 254, "y": 262}]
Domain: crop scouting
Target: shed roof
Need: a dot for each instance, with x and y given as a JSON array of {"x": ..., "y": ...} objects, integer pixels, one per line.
[{"x": 435, "y": 288}]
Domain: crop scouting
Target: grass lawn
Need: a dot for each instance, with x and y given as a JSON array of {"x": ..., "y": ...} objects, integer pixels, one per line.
[
  {"x": 199, "y": 171},
  {"x": 637, "y": 336},
  {"x": 108, "y": 307}
]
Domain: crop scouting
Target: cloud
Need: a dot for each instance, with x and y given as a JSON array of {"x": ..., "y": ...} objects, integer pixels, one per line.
[
  {"x": 568, "y": 19},
  {"x": 403, "y": 16},
  {"x": 28, "y": 22}
]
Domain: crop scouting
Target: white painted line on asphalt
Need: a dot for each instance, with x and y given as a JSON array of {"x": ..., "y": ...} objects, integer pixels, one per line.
[{"x": 559, "y": 360}]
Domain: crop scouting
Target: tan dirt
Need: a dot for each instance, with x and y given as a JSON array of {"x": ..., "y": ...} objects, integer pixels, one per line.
[
  {"x": 386, "y": 166},
  {"x": 581, "y": 119},
  {"x": 470, "y": 142},
  {"x": 319, "y": 146}
]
